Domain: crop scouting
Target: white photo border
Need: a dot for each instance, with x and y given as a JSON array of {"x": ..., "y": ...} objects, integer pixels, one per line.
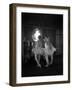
[{"x": 39, "y": 79}]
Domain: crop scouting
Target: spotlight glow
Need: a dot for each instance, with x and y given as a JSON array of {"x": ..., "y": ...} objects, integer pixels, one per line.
[{"x": 36, "y": 35}]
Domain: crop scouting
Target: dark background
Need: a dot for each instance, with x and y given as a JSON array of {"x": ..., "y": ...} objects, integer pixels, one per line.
[{"x": 50, "y": 25}]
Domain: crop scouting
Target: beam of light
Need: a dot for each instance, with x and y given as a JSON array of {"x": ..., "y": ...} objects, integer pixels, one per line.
[{"x": 36, "y": 35}]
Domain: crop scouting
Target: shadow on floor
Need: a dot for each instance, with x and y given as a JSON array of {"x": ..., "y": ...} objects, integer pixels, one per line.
[{"x": 30, "y": 68}]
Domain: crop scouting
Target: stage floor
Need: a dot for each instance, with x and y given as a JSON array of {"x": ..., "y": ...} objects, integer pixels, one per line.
[{"x": 30, "y": 68}]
